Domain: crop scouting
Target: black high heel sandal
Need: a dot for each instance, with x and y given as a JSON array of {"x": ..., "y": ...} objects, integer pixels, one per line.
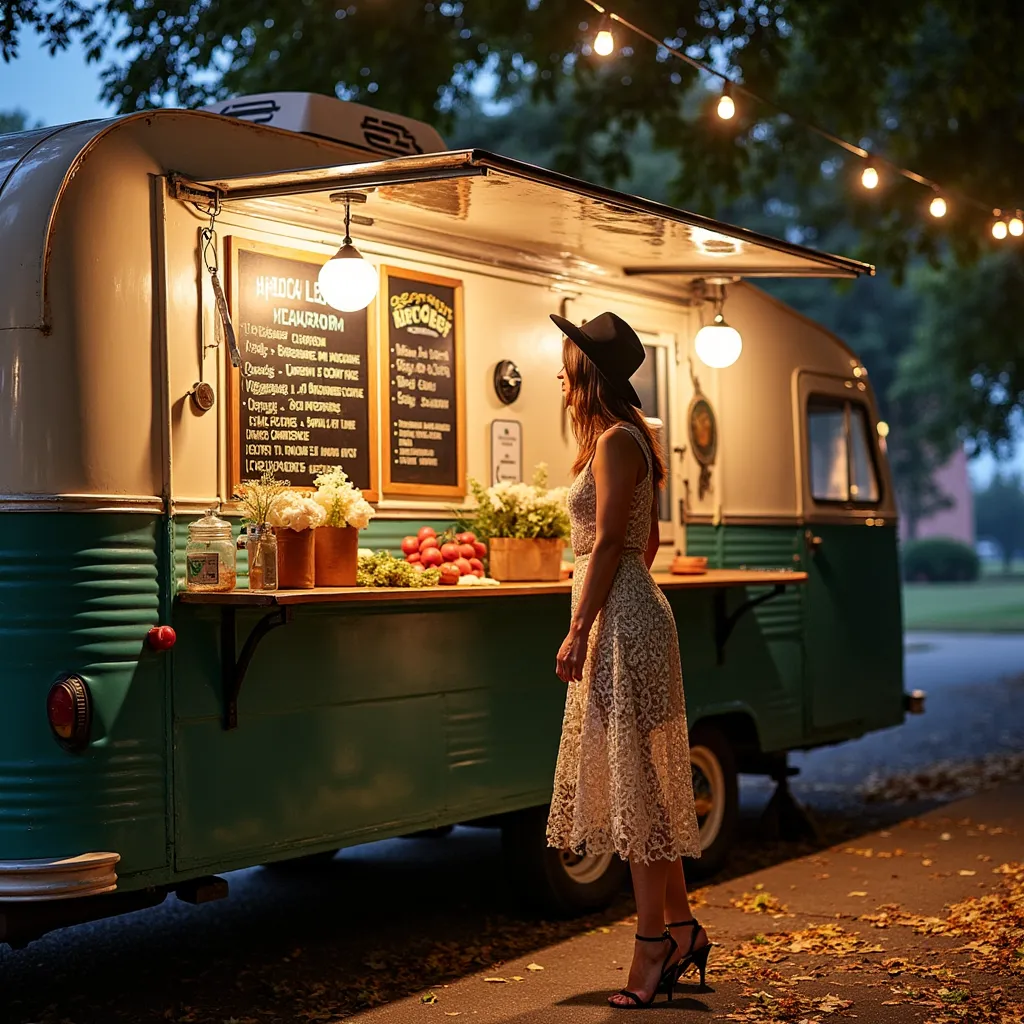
[
  {"x": 692, "y": 957},
  {"x": 638, "y": 1003}
]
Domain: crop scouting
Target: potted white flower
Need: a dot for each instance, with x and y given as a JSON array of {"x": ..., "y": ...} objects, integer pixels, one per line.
[
  {"x": 295, "y": 517},
  {"x": 527, "y": 526},
  {"x": 346, "y": 512}
]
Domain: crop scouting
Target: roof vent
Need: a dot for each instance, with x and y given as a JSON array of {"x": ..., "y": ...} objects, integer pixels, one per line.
[{"x": 352, "y": 124}]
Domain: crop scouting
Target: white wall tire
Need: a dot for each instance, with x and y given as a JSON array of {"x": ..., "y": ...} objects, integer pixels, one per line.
[
  {"x": 557, "y": 881},
  {"x": 716, "y": 797}
]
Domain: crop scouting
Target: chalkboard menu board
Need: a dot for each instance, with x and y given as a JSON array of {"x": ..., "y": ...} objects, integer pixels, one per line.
[
  {"x": 304, "y": 399},
  {"x": 424, "y": 421}
]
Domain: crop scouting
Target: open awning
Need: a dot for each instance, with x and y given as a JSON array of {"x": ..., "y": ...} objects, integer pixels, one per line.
[{"x": 508, "y": 212}]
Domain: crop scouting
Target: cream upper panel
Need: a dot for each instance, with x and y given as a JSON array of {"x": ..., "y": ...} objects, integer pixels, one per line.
[
  {"x": 506, "y": 317},
  {"x": 81, "y": 337}
]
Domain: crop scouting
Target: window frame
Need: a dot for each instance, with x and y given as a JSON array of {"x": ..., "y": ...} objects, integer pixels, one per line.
[
  {"x": 662, "y": 347},
  {"x": 846, "y": 404}
]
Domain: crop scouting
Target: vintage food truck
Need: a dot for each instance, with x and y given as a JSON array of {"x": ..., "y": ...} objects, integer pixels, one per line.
[{"x": 134, "y": 761}]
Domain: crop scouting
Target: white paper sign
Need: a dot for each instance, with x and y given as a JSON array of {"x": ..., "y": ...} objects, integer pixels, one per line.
[{"x": 506, "y": 451}]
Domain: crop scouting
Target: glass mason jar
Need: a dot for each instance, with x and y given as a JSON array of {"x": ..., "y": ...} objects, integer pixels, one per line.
[
  {"x": 261, "y": 546},
  {"x": 210, "y": 555}
]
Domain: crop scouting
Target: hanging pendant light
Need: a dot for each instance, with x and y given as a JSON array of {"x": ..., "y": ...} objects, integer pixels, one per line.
[
  {"x": 347, "y": 281},
  {"x": 718, "y": 345},
  {"x": 604, "y": 41}
]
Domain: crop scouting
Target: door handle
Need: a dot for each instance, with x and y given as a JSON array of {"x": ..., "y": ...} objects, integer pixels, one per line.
[{"x": 812, "y": 540}]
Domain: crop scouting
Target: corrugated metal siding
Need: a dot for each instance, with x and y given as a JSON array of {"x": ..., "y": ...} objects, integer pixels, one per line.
[
  {"x": 755, "y": 547},
  {"x": 78, "y": 593}
]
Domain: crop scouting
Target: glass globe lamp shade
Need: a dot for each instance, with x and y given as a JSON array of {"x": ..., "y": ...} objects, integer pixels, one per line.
[
  {"x": 604, "y": 44},
  {"x": 347, "y": 281},
  {"x": 718, "y": 345}
]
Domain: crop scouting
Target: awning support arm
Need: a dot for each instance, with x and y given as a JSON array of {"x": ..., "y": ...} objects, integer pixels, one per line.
[{"x": 234, "y": 666}]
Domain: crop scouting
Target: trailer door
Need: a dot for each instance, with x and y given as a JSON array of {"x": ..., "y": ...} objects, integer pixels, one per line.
[{"x": 852, "y": 609}]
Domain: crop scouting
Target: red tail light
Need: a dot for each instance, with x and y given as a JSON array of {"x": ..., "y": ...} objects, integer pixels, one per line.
[{"x": 69, "y": 709}]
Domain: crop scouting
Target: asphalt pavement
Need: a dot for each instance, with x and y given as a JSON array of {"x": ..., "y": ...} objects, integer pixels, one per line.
[{"x": 386, "y": 920}]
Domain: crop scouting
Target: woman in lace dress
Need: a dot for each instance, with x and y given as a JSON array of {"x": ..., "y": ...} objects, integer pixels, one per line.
[{"x": 622, "y": 781}]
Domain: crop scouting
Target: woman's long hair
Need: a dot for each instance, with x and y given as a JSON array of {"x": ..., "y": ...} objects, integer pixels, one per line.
[{"x": 594, "y": 407}]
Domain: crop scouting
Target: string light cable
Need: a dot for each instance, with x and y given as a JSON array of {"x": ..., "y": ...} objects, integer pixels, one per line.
[{"x": 941, "y": 197}]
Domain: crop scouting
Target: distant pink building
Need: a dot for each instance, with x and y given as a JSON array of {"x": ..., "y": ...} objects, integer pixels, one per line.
[{"x": 958, "y": 520}]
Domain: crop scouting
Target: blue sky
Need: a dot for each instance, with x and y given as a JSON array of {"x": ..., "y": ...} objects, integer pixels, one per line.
[{"x": 56, "y": 90}]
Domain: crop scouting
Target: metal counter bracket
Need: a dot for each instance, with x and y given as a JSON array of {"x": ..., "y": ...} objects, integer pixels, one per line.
[
  {"x": 234, "y": 666},
  {"x": 725, "y": 622}
]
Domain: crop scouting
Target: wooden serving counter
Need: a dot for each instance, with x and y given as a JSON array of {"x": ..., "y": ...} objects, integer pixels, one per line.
[
  {"x": 281, "y": 605},
  {"x": 713, "y": 579}
]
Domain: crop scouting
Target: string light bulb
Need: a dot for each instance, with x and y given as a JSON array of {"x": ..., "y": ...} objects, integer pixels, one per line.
[
  {"x": 604, "y": 41},
  {"x": 726, "y": 105},
  {"x": 348, "y": 281},
  {"x": 999, "y": 229},
  {"x": 869, "y": 176},
  {"x": 1017, "y": 225},
  {"x": 937, "y": 207}
]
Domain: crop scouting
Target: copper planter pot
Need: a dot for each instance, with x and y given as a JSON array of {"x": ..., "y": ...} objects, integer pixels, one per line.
[{"x": 336, "y": 556}]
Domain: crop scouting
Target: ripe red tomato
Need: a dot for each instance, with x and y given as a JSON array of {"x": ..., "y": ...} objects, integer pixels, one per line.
[
  {"x": 449, "y": 552},
  {"x": 426, "y": 531},
  {"x": 465, "y": 538},
  {"x": 476, "y": 564},
  {"x": 415, "y": 558},
  {"x": 480, "y": 548},
  {"x": 467, "y": 551},
  {"x": 410, "y": 545},
  {"x": 418, "y": 567},
  {"x": 428, "y": 542},
  {"x": 478, "y": 573},
  {"x": 464, "y": 567},
  {"x": 430, "y": 557},
  {"x": 450, "y": 574}
]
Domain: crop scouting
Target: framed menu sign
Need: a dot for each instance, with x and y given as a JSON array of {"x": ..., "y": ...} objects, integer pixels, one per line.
[
  {"x": 424, "y": 409},
  {"x": 304, "y": 400}
]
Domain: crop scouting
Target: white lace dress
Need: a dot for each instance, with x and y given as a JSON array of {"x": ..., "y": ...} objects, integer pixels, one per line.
[{"x": 622, "y": 781}]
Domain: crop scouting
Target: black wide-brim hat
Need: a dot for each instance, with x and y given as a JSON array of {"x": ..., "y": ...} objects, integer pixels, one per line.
[{"x": 612, "y": 346}]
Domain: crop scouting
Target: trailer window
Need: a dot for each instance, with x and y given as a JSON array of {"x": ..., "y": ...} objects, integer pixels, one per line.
[{"x": 841, "y": 465}]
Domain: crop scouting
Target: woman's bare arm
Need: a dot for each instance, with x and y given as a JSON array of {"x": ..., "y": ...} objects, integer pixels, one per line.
[
  {"x": 654, "y": 538},
  {"x": 618, "y": 462}
]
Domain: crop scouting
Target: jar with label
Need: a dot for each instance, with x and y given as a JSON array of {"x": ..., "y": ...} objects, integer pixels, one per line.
[
  {"x": 261, "y": 546},
  {"x": 210, "y": 555}
]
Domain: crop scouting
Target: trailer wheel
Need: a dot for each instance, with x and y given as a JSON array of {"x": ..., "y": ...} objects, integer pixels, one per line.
[
  {"x": 716, "y": 795},
  {"x": 557, "y": 881}
]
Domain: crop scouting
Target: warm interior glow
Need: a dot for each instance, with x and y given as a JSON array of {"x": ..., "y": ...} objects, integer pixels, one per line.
[
  {"x": 726, "y": 107},
  {"x": 347, "y": 281},
  {"x": 937, "y": 207},
  {"x": 718, "y": 345},
  {"x": 869, "y": 177},
  {"x": 604, "y": 44},
  {"x": 999, "y": 229},
  {"x": 1016, "y": 226}
]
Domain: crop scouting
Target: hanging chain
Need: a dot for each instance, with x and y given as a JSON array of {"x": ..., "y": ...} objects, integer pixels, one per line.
[{"x": 208, "y": 235}]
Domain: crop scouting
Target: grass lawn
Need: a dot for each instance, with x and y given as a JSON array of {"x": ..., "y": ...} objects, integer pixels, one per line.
[{"x": 991, "y": 605}]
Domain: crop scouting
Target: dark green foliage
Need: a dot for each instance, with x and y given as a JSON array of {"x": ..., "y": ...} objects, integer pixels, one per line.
[{"x": 939, "y": 560}]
